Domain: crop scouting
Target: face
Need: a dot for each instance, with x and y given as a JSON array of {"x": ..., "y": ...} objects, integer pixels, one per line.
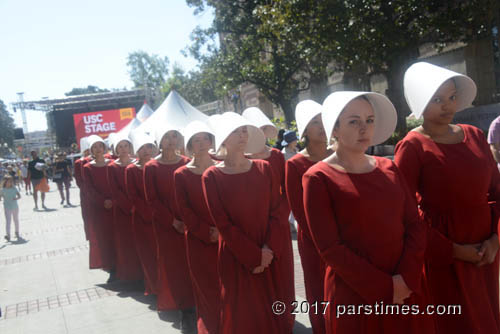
[
  {"x": 97, "y": 149},
  {"x": 123, "y": 148},
  {"x": 34, "y": 154},
  {"x": 200, "y": 143},
  {"x": 145, "y": 152},
  {"x": 292, "y": 145},
  {"x": 443, "y": 105},
  {"x": 170, "y": 140},
  {"x": 8, "y": 183},
  {"x": 237, "y": 140},
  {"x": 356, "y": 126},
  {"x": 315, "y": 130}
]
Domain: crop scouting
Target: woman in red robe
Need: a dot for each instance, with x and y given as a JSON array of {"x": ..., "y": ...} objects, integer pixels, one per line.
[
  {"x": 364, "y": 222},
  {"x": 310, "y": 126},
  {"x": 452, "y": 171},
  {"x": 142, "y": 217},
  {"x": 100, "y": 204},
  {"x": 284, "y": 266},
  {"x": 174, "y": 278},
  {"x": 201, "y": 234},
  {"x": 78, "y": 173},
  {"x": 128, "y": 265},
  {"x": 244, "y": 203}
]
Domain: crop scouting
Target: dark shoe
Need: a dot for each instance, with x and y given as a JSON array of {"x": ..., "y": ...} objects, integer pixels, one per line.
[
  {"x": 62, "y": 201},
  {"x": 17, "y": 236},
  {"x": 44, "y": 207},
  {"x": 7, "y": 237},
  {"x": 112, "y": 277},
  {"x": 69, "y": 204},
  {"x": 188, "y": 321}
]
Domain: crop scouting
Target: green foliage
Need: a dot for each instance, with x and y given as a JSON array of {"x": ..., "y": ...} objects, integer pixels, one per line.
[
  {"x": 147, "y": 71},
  {"x": 89, "y": 90},
  {"x": 6, "y": 126},
  {"x": 195, "y": 86},
  {"x": 284, "y": 46},
  {"x": 411, "y": 123}
]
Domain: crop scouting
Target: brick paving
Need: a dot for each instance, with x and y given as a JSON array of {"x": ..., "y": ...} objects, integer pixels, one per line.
[{"x": 45, "y": 281}]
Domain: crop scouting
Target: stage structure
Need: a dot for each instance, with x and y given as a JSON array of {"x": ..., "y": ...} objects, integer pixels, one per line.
[{"x": 60, "y": 111}]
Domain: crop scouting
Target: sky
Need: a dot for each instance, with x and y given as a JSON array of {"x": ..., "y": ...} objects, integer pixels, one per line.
[{"x": 49, "y": 47}]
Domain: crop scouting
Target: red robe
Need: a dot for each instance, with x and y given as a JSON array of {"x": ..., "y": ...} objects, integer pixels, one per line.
[
  {"x": 78, "y": 171},
  {"x": 246, "y": 210},
  {"x": 128, "y": 265},
  {"x": 312, "y": 265},
  {"x": 144, "y": 236},
  {"x": 452, "y": 182},
  {"x": 100, "y": 219},
  {"x": 367, "y": 229},
  {"x": 202, "y": 254},
  {"x": 174, "y": 278},
  {"x": 285, "y": 271}
]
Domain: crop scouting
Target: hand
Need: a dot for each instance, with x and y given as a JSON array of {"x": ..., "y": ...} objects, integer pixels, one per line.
[
  {"x": 467, "y": 252},
  {"x": 179, "y": 226},
  {"x": 258, "y": 270},
  {"x": 108, "y": 204},
  {"x": 400, "y": 290},
  {"x": 214, "y": 234},
  {"x": 266, "y": 257},
  {"x": 488, "y": 250}
]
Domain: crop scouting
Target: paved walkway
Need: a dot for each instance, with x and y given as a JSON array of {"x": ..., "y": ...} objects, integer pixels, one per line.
[{"x": 46, "y": 286}]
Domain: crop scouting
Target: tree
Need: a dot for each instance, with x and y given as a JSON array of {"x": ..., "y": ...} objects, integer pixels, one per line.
[
  {"x": 384, "y": 37},
  {"x": 283, "y": 46},
  {"x": 250, "y": 51},
  {"x": 197, "y": 86},
  {"x": 147, "y": 71},
  {"x": 89, "y": 90},
  {"x": 6, "y": 126}
]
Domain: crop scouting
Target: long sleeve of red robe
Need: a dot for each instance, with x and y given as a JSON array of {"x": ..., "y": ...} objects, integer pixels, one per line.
[
  {"x": 141, "y": 207},
  {"x": 198, "y": 225},
  {"x": 116, "y": 176},
  {"x": 160, "y": 207}
]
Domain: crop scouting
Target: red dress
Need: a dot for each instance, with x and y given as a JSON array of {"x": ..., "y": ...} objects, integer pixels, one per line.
[
  {"x": 78, "y": 171},
  {"x": 367, "y": 229},
  {"x": 312, "y": 265},
  {"x": 452, "y": 182},
  {"x": 174, "y": 279},
  {"x": 128, "y": 265},
  {"x": 246, "y": 210},
  {"x": 101, "y": 219},
  {"x": 144, "y": 237},
  {"x": 202, "y": 254},
  {"x": 284, "y": 270}
]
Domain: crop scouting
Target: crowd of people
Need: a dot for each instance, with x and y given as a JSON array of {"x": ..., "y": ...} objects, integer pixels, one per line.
[{"x": 201, "y": 214}]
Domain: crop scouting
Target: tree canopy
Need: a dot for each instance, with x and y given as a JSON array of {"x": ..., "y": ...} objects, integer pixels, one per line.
[
  {"x": 284, "y": 46},
  {"x": 147, "y": 71},
  {"x": 6, "y": 126},
  {"x": 88, "y": 90}
]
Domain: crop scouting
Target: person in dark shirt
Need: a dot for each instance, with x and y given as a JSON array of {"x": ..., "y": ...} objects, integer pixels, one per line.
[
  {"x": 36, "y": 175},
  {"x": 62, "y": 176}
]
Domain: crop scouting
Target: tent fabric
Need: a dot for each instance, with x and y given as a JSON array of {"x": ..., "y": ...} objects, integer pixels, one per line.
[
  {"x": 174, "y": 111},
  {"x": 144, "y": 113},
  {"x": 131, "y": 126}
]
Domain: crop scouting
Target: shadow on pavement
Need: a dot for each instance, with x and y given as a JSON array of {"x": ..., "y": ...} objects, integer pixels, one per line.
[{"x": 19, "y": 241}]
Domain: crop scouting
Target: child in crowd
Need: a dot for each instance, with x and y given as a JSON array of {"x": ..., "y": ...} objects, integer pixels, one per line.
[{"x": 10, "y": 195}]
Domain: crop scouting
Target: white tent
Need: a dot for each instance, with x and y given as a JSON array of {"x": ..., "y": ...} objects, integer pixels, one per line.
[
  {"x": 174, "y": 111},
  {"x": 144, "y": 113},
  {"x": 125, "y": 131}
]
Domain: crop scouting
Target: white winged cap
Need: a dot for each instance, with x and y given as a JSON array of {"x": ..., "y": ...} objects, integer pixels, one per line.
[
  {"x": 385, "y": 113},
  {"x": 229, "y": 121},
  {"x": 422, "y": 80},
  {"x": 305, "y": 111},
  {"x": 260, "y": 120}
]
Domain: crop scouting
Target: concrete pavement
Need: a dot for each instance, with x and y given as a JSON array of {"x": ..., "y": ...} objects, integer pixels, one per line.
[{"x": 46, "y": 286}]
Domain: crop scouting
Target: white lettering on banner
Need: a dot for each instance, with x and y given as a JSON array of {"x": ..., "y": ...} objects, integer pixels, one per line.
[
  {"x": 91, "y": 119},
  {"x": 105, "y": 127}
]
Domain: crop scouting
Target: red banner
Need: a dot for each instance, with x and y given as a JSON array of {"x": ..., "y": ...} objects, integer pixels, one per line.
[{"x": 102, "y": 123}]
